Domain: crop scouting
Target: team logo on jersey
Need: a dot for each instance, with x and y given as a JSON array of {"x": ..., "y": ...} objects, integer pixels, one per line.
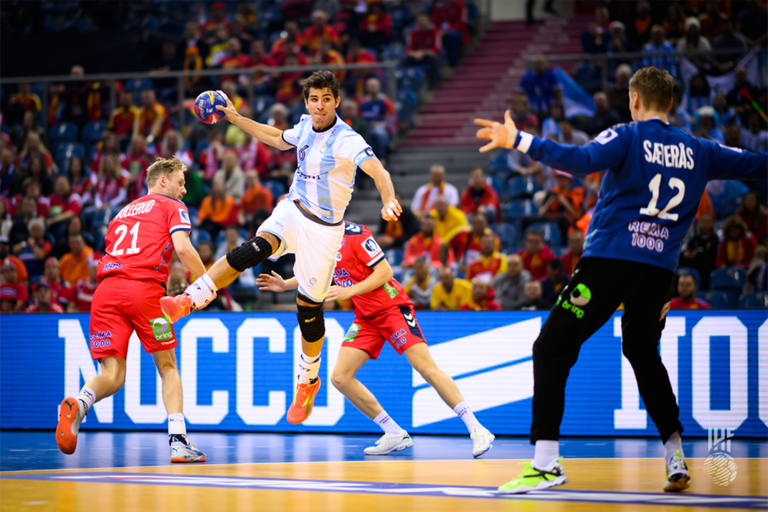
[
  {"x": 161, "y": 328},
  {"x": 371, "y": 247},
  {"x": 184, "y": 216}
]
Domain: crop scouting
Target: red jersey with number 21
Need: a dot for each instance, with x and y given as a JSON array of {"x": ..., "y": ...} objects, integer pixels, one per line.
[
  {"x": 355, "y": 260},
  {"x": 139, "y": 244}
]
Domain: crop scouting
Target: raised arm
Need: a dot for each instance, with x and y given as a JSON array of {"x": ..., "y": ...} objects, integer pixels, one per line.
[
  {"x": 262, "y": 132},
  {"x": 373, "y": 168},
  {"x": 727, "y": 163}
]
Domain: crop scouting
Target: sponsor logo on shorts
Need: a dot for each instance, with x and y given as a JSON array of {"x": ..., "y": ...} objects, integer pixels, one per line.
[
  {"x": 398, "y": 338},
  {"x": 579, "y": 297},
  {"x": 100, "y": 339},
  {"x": 161, "y": 328},
  {"x": 351, "y": 333}
]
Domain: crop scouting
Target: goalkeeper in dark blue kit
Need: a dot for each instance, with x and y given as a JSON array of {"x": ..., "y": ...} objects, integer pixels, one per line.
[{"x": 648, "y": 200}]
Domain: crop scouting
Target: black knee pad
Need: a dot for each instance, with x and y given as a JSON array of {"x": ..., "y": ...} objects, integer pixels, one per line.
[
  {"x": 311, "y": 322},
  {"x": 249, "y": 254}
]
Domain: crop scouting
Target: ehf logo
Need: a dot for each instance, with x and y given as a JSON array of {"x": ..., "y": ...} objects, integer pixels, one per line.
[
  {"x": 719, "y": 463},
  {"x": 371, "y": 247},
  {"x": 184, "y": 216}
]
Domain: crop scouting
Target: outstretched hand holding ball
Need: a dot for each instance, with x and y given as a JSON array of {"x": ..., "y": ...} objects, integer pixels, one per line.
[
  {"x": 391, "y": 210},
  {"x": 205, "y": 106}
]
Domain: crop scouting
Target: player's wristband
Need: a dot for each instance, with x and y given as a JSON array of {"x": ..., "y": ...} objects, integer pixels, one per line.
[
  {"x": 202, "y": 291},
  {"x": 523, "y": 141}
]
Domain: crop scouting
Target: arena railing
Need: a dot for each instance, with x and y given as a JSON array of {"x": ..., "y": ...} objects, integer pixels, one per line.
[
  {"x": 110, "y": 78},
  {"x": 604, "y": 58}
]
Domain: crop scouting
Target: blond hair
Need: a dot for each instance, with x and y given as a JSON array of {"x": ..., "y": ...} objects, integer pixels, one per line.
[
  {"x": 654, "y": 87},
  {"x": 163, "y": 167}
]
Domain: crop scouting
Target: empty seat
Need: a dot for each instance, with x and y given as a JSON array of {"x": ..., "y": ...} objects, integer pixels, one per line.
[{"x": 718, "y": 300}]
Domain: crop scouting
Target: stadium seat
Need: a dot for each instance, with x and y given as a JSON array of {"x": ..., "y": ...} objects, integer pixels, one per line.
[
  {"x": 198, "y": 235},
  {"x": 138, "y": 84},
  {"x": 550, "y": 231},
  {"x": 394, "y": 257},
  {"x": 92, "y": 132},
  {"x": 193, "y": 212},
  {"x": 507, "y": 234},
  {"x": 754, "y": 300},
  {"x": 729, "y": 206},
  {"x": 718, "y": 300},
  {"x": 62, "y": 132},
  {"x": 520, "y": 187},
  {"x": 500, "y": 161},
  {"x": 67, "y": 150},
  {"x": 730, "y": 281},
  {"x": 277, "y": 188},
  {"x": 516, "y": 209},
  {"x": 408, "y": 97},
  {"x": 691, "y": 271},
  {"x": 101, "y": 218}
]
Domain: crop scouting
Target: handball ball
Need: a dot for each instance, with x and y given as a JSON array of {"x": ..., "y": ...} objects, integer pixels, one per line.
[{"x": 205, "y": 107}]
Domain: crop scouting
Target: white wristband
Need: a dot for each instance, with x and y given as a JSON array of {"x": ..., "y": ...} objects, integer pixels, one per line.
[{"x": 202, "y": 291}]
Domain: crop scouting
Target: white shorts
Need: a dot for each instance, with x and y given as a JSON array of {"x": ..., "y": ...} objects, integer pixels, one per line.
[{"x": 315, "y": 246}]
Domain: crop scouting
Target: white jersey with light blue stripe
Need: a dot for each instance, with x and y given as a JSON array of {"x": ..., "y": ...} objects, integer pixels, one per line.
[{"x": 327, "y": 162}]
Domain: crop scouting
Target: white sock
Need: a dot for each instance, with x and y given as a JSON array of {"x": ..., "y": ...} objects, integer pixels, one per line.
[
  {"x": 673, "y": 444},
  {"x": 176, "y": 426},
  {"x": 387, "y": 424},
  {"x": 201, "y": 291},
  {"x": 308, "y": 368},
  {"x": 547, "y": 452},
  {"x": 467, "y": 416},
  {"x": 87, "y": 398}
]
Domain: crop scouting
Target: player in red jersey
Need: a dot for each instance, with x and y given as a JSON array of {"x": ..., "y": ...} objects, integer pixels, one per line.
[
  {"x": 132, "y": 279},
  {"x": 383, "y": 312}
]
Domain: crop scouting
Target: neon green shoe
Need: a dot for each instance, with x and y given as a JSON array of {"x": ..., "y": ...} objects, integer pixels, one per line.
[{"x": 531, "y": 479}]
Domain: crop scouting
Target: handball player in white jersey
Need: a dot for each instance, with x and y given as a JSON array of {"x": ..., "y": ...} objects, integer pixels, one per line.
[{"x": 308, "y": 223}]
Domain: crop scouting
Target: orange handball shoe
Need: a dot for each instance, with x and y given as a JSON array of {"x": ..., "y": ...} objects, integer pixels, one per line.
[
  {"x": 69, "y": 425},
  {"x": 176, "y": 307},
  {"x": 303, "y": 401}
]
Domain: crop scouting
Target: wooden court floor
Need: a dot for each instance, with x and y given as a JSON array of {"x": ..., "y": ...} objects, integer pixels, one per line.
[{"x": 390, "y": 484}]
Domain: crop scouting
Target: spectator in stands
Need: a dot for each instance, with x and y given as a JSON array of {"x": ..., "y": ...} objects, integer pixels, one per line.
[
  {"x": 289, "y": 84},
  {"x": 479, "y": 194},
  {"x": 44, "y": 300},
  {"x": 21, "y": 102},
  {"x": 73, "y": 266},
  {"x": 464, "y": 242},
  {"x": 533, "y": 297},
  {"x": 12, "y": 289},
  {"x": 575, "y": 248},
  {"x": 260, "y": 59},
  {"x": 19, "y": 230},
  {"x": 61, "y": 292},
  {"x": 6, "y": 222},
  {"x": 319, "y": 30},
  {"x": 216, "y": 19},
  {"x": 751, "y": 24},
  {"x": 754, "y": 138},
  {"x": 699, "y": 94},
  {"x": 733, "y": 136},
  {"x": 741, "y": 102},
  {"x": 327, "y": 56},
  {"x": 705, "y": 117},
  {"x": 536, "y": 255},
  {"x": 234, "y": 59},
  {"x": 658, "y": 44},
  {"x": 34, "y": 147},
  {"x": 725, "y": 114},
  {"x": 451, "y": 292},
  {"x": 686, "y": 291},
  {"x": 218, "y": 210},
  {"x": 425, "y": 195},
  {"x": 35, "y": 249},
  {"x": 556, "y": 280},
  {"x": 209, "y": 158},
  {"x": 604, "y": 117},
  {"x": 376, "y": 27},
  {"x": 542, "y": 87},
  {"x": 80, "y": 181},
  {"x": 347, "y": 20},
  {"x": 423, "y": 49},
  {"x": 256, "y": 196},
  {"x": 173, "y": 146},
  {"x": 419, "y": 287},
  {"x": 168, "y": 60},
  {"x": 35, "y": 173},
  {"x": 727, "y": 40},
  {"x": 426, "y": 244},
  {"x": 393, "y": 234},
  {"x": 550, "y": 126},
  {"x": 521, "y": 113},
  {"x": 482, "y": 297},
  {"x": 569, "y": 135},
  {"x": 618, "y": 93},
  {"x": 193, "y": 61},
  {"x": 289, "y": 43},
  {"x": 64, "y": 203},
  {"x": 124, "y": 120},
  {"x": 7, "y": 171},
  {"x": 356, "y": 54},
  {"x": 447, "y": 217},
  {"x": 510, "y": 285},
  {"x": 678, "y": 116},
  {"x": 349, "y": 115},
  {"x": 449, "y": 17},
  {"x": 694, "y": 41},
  {"x": 712, "y": 21},
  {"x": 82, "y": 294},
  {"x": 111, "y": 187},
  {"x": 379, "y": 112},
  {"x": 738, "y": 246},
  {"x": 755, "y": 216},
  {"x": 594, "y": 38},
  {"x": 490, "y": 263},
  {"x": 135, "y": 164},
  {"x": 74, "y": 225},
  {"x": 153, "y": 117},
  {"x": 232, "y": 176},
  {"x": 674, "y": 22},
  {"x": 564, "y": 200},
  {"x": 640, "y": 30},
  {"x": 29, "y": 125},
  {"x": 108, "y": 145},
  {"x": 30, "y": 187},
  {"x": 232, "y": 239},
  {"x": 7, "y": 257}
]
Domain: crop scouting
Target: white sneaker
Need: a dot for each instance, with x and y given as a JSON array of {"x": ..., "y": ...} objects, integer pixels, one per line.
[
  {"x": 185, "y": 452},
  {"x": 677, "y": 474},
  {"x": 482, "y": 441},
  {"x": 389, "y": 443},
  {"x": 71, "y": 414}
]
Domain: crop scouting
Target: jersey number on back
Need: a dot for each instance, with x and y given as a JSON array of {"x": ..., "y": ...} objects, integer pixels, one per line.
[
  {"x": 651, "y": 209},
  {"x": 122, "y": 230}
]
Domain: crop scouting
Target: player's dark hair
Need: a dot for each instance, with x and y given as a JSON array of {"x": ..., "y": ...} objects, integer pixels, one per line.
[
  {"x": 654, "y": 86},
  {"x": 163, "y": 167},
  {"x": 323, "y": 79}
]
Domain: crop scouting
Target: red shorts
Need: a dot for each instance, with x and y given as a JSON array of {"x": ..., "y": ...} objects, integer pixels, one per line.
[
  {"x": 121, "y": 306},
  {"x": 397, "y": 325}
]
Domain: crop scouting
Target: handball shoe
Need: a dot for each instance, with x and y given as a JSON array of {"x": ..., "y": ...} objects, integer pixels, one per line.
[
  {"x": 184, "y": 451},
  {"x": 482, "y": 441},
  {"x": 303, "y": 401},
  {"x": 678, "y": 477},
  {"x": 389, "y": 443},
  {"x": 532, "y": 479},
  {"x": 69, "y": 424},
  {"x": 176, "y": 307}
]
